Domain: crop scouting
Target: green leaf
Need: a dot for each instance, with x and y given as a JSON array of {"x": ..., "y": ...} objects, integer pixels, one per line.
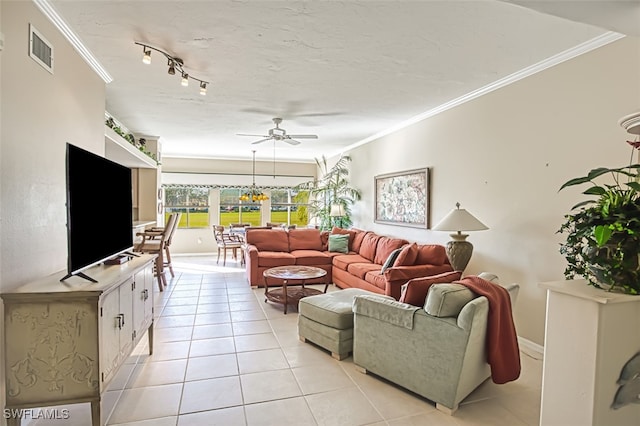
[
  {"x": 599, "y": 172},
  {"x": 634, "y": 185},
  {"x": 595, "y": 190},
  {"x": 575, "y": 181},
  {"x": 602, "y": 234}
]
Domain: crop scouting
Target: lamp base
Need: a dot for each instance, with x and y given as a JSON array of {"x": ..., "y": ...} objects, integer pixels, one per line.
[{"x": 459, "y": 252}]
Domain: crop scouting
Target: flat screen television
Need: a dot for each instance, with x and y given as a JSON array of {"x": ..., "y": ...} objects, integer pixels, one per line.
[{"x": 99, "y": 210}]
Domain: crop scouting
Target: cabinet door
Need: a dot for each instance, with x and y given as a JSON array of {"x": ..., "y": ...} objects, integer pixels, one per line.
[
  {"x": 126, "y": 310},
  {"x": 142, "y": 301},
  {"x": 116, "y": 328},
  {"x": 109, "y": 334}
]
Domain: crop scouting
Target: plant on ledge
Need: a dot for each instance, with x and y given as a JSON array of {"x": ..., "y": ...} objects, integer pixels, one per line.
[
  {"x": 331, "y": 189},
  {"x": 603, "y": 236},
  {"x": 131, "y": 139}
]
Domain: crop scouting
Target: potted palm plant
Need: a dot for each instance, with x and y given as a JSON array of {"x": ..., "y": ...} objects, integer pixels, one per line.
[
  {"x": 603, "y": 233},
  {"x": 331, "y": 189}
]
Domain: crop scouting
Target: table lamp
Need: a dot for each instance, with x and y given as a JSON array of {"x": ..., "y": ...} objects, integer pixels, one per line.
[
  {"x": 337, "y": 211},
  {"x": 459, "y": 249}
]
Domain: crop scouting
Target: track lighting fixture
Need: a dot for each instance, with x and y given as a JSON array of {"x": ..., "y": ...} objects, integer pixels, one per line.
[{"x": 174, "y": 64}]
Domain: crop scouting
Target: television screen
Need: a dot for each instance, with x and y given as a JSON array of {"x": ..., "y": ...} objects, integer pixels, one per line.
[{"x": 99, "y": 209}]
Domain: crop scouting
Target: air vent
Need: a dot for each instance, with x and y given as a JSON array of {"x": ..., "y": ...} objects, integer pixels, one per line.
[{"x": 40, "y": 49}]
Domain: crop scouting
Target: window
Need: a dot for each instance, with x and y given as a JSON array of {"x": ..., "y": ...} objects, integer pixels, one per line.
[
  {"x": 289, "y": 206},
  {"x": 193, "y": 203},
  {"x": 232, "y": 210}
]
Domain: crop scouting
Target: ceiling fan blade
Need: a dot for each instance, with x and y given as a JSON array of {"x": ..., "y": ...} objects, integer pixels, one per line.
[
  {"x": 319, "y": 114},
  {"x": 303, "y": 136},
  {"x": 256, "y": 136},
  {"x": 260, "y": 141},
  {"x": 291, "y": 141}
]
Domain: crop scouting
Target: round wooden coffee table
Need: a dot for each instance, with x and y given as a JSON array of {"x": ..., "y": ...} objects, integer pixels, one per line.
[{"x": 291, "y": 275}]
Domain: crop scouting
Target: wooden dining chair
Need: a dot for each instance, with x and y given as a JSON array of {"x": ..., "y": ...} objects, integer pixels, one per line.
[
  {"x": 155, "y": 242},
  {"x": 227, "y": 241}
]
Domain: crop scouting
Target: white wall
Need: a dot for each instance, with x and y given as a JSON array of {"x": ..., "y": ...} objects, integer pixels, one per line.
[
  {"x": 39, "y": 113},
  {"x": 503, "y": 157}
]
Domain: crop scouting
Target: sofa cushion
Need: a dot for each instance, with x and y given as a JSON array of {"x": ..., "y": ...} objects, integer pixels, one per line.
[
  {"x": 374, "y": 278},
  {"x": 268, "y": 239},
  {"x": 407, "y": 256},
  {"x": 342, "y": 261},
  {"x": 447, "y": 300},
  {"x": 360, "y": 269},
  {"x": 275, "y": 258},
  {"x": 431, "y": 254},
  {"x": 390, "y": 260},
  {"x": 368, "y": 247},
  {"x": 311, "y": 257},
  {"x": 357, "y": 239},
  {"x": 305, "y": 239},
  {"x": 385, "y": 247},
  {"x": 415, "y": 291},
  {"x": 339, "y": 243}
]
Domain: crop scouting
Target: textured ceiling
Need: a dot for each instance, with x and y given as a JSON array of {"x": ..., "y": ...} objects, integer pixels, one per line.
[{"x": 344, "y": 70}]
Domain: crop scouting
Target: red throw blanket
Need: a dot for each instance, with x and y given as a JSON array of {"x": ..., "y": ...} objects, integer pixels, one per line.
[{"x": 502, "y": 341}]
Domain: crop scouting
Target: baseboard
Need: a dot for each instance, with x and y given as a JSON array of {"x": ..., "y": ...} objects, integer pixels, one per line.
[
  {"x": 534, "y": 350},
  {"x": 193, "y": 254}
]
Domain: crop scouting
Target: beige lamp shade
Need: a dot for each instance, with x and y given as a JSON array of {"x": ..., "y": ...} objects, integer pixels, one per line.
[
  {"x": 460, "y": 220},
  {"x": 459, "y": 250},
  {"x": 336, "y": 210}
]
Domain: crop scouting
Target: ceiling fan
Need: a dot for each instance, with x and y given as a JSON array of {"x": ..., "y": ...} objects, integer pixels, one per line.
[{"x": 279, "y": 134}]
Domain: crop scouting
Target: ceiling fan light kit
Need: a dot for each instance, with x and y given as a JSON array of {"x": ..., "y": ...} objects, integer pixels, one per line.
[
  {"x": 174, "y": 63},
  {"x": 279, "y": 134}
]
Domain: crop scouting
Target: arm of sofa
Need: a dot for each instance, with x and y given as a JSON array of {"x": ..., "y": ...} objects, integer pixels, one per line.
[
  {"x": 468, "y": 312},
  {"x": 251, "y": 263}
]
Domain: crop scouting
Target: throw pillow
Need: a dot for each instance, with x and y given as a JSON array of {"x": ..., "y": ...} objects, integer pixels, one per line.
[
  {"x": 390, "y": 260},
  {"x": 337, "y": 230},
  {"x": 415, "y": 291},
  {"x": 339, "y": 243},
  {"x": 408, "y": 255}
]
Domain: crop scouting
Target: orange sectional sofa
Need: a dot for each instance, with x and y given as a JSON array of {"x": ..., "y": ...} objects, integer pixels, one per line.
[{"x": 359, "y": 268}]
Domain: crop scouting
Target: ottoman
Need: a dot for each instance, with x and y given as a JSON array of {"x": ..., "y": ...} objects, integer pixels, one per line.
[{"x": 327, "y": 320}]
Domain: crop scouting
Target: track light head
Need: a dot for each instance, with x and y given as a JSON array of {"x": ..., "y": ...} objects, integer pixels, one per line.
[
  {"x": 185, "y": 79},
  {"x": 146, "y": 58},
  {"x": 172, "y": 68},
  {"x": 203, "y": 88}
]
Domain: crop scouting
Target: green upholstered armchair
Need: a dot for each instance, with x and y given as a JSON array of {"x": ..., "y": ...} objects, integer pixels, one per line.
[{"x": 441, "y": 356}]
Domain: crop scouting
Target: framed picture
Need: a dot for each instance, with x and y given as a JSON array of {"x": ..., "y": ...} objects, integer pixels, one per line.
[{"x": 403, "y": 198}]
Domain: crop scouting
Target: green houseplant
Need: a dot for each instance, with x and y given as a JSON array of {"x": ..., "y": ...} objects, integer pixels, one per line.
[
  {"x": 332, "y": 188},
  {"x": 603, "y": 234}
]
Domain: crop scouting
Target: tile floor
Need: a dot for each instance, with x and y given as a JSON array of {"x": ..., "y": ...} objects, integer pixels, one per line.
[{"x": 224, "y": 357}]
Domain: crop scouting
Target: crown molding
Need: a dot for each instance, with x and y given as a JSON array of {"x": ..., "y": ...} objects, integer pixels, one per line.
[
  {"x": 47, "y": 9},
  {"x": 568, "y": 54}
]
